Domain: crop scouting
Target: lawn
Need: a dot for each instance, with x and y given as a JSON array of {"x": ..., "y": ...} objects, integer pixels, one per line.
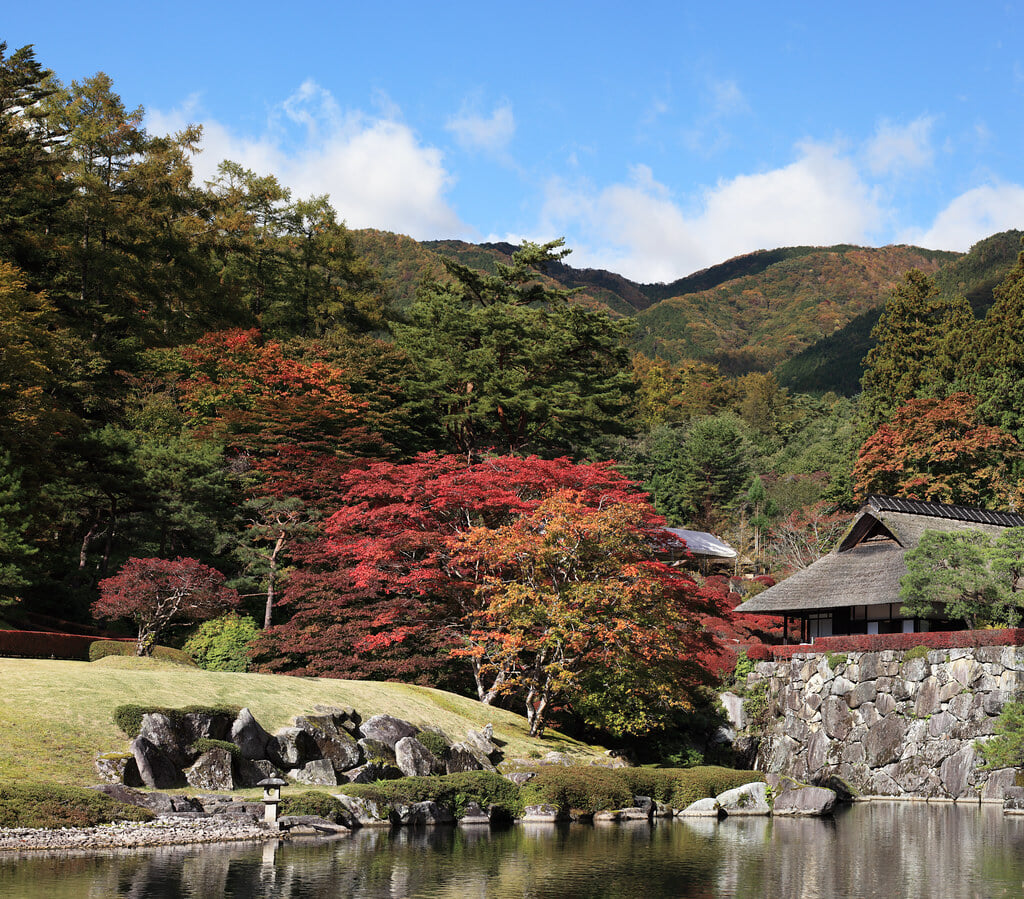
[{"x": 56, "y": 715}]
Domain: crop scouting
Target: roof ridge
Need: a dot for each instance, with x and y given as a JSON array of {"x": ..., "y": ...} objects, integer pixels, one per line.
[{"x": 933, "y": 509}]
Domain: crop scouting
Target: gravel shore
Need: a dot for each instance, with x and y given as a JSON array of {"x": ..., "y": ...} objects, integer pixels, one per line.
[{"x": 162, "y": 832}]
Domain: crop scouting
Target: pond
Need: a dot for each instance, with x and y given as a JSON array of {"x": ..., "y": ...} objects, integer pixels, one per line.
[{"x": 873, "y": 849}]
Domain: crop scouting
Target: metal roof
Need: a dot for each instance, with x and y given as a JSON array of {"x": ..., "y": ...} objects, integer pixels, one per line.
[
  {"x": 945, "y": 510},
  {"x": 701, "y": 543}
]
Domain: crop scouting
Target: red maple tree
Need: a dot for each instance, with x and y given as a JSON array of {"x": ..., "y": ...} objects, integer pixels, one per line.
[{"x": 155, "y": 593}]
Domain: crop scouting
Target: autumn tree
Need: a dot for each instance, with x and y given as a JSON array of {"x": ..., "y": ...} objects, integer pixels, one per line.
[
  {"x": 571, "y": 607},
  {"x": 157, "y": 593},
  {"x": 803, "y": 536},
  {"x": 940, "y": 450},
  {"x": 378, "y": 596}
]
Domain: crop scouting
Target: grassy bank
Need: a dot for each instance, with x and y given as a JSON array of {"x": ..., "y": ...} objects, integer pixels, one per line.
[{"x": 56, "y": 715}]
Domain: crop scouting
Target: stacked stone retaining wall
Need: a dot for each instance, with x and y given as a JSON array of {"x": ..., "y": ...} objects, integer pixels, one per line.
[{"x": 888, "y": 725}]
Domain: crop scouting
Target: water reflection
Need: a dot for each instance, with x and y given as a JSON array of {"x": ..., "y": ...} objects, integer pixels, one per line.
[{"x": 878, "y": 849}]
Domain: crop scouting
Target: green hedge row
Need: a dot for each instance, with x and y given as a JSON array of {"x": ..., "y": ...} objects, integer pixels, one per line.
[
  {"x": 47, "y": 805},
  {"x": 593, "y": 789}
]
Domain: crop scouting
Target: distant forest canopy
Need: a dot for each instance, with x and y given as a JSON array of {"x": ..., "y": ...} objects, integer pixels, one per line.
[{"x": 210, "y": 371}]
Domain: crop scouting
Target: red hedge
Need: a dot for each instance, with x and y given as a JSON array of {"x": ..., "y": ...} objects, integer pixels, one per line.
[
  {"x": 877, "y": 642},
  {"x": 44, "y": 645}
]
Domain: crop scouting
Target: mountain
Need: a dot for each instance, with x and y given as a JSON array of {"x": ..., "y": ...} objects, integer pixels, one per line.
[
  {"x": 834, "y": 362},
  {"x": 805, "y": 313}
]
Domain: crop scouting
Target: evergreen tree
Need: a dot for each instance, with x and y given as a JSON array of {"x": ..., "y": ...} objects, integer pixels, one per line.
[
  {"x": 916, "y": 343},
  {"x": 506, "y": 361}
]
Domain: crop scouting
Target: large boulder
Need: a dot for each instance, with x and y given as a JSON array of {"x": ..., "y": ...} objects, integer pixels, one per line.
[
  {"x": 162, "y": 731},
  {"x": 464, "y": 757},
  {"x": 748, "y": 800},
  {"x": 415, "y": 760},
  {"x": 117, "y": 768},
  {"x": 318, "y": 772},
  {"x": 156, "y": 769},
  {"x": 336, "y": 745},
  {"x": 702, "y": 808},
  {"x": 293, "y": 747},
  {"x": 544, "y": 814},
  {"x": 805, "y": 801},
  {"x": 472, "y": 814},
  {"x": 365, "y": 812},
  {"x": 212, "y": 771},
  {"x": 252, "y": 740},
  {"x": 422, "y": 813},
  {"x": 1013, "y": 801},
  {"x": 249, "y": 772},
  {"x": 387, "y": 730}
]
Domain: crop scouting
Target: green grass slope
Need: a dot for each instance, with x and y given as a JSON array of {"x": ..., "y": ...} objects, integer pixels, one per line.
[{"x": 56, "y": 715}]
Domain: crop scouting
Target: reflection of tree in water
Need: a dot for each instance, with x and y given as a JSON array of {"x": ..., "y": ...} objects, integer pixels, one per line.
[{"x": 875, "y": 849}]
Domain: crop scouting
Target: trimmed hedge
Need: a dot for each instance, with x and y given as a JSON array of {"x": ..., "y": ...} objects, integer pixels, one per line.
[
  {"x": 47, "y": 805},
  {"x": 128, "y": 717},
  {"x": 900, "y": 642},
  {"x": 592, "y": 789},
  {"x": 45, "y": 645},
  {"x": 101, "y": 649},
  {"x": 453, "y": 791}
]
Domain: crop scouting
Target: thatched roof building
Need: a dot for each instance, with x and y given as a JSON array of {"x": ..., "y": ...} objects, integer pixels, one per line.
[{"x": 855, "y": 588}]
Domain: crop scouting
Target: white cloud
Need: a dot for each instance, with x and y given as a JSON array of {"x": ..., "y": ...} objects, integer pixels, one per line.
[
  {"x": 375, "y": 169},
  {"x": 642, "y": 231},
  {"x": 975, "y": 214},
  {"x": 896, "y": 149},
  {"x": 491, "y": 134}
]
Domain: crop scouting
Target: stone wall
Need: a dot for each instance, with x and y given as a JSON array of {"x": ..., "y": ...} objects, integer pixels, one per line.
[{"x": 888, "y": 725}]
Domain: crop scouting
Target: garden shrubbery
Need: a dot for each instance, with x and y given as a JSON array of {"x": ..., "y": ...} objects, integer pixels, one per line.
[
  {"x": 322, "y": 805},
  {"x": 101, "y": 649},
  {"x": 49, "y": 805},
  {"x": 593, "y": 789},
  {"x": 453, "y": 791},
  {"x": 223, "y": 643}
]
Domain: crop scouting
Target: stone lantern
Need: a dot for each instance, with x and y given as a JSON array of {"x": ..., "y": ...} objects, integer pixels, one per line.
[{"x": 271, "y": 798}]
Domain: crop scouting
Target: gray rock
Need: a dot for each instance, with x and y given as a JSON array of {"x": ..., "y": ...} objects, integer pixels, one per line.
[
  {"x": 371, "y": 771},
  {"x": 336, "y": 745},
  {"x": 473, "y": 815},
  {"x": 309, "y": 824},
  {"x": 520, "y": 777},
  {"x": 293, "y": 747},
  {"x": 463, "y": 757},
  {"x": 955, "y": 771},
  {"x": 884, "y": 742},
  {"x": 365, "y": 812},
  {"x": 212, "y": 771},
  {"x": 1013, "y": 801},
  {"x": 544, "y": 814},
  {"x": 482, "y": 741},
  {"x": 750, "y": 799},
  {"x": 249, "y": 772},
  {"x": 636, "y": 813},
  {"x": 422, "y": 813},
  {"x": 415, "y": 760},
  {"x": 156, "y": 769},
  {"x": 733, "y": 705},
  {"x": 376, "y": 751},
  {"x": 387, "y": 730},
  {"x": 253, "y": 741},
  {"x": 805, "y": 801},
  {"x": 318, "y": 772},
  {"x": 117, "y": 768},
  {"x": 160, "y": 730}
]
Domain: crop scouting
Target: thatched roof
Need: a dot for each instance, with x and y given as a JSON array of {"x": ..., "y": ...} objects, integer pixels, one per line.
[{"x": 867, "y": 565}]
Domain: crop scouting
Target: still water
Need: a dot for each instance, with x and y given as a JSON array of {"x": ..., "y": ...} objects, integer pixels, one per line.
[{"x": 886, "y": 850}]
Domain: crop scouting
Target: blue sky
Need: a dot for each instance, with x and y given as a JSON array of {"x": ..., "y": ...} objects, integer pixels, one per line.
[{"x": 658, "y": 137}]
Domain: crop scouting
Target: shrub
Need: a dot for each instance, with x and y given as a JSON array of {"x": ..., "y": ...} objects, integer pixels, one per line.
[
  {"x": 453, "y": 791},
  {"x": 586, "y": 789},
  {"x": 692, "y": 784},
  {"x": 100, "y": 649},
  {"x": 835, "y": 659},
  {"x": 205, "y": 744},
  {"x": 223, "y": 643},
  {"x": 322, "y": 805},
  {"x": 128, "y": 717},
  {"x": 435, "y": 741},
  {"x": 904, "y": 642},
  {"x": 49, "y": 805},
  {"x": 917, "y": 652},
  {"x": 1006, "y": 749}
]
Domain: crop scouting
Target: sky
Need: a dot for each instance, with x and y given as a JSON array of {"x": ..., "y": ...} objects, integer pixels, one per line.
[{"x": 658, "y": 138}]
